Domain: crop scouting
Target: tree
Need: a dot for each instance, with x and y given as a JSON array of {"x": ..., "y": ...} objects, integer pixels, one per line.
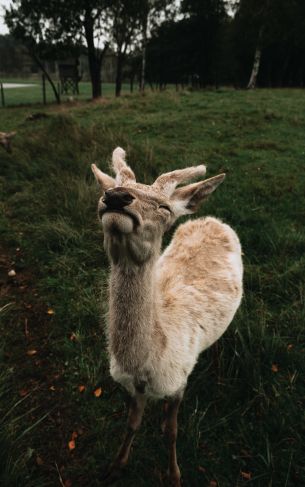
[
  {"x": 151, "y": 13},
  {"x": 206, "y": 18},
  {"x": 28, "y": 28},
  {"x": 126, "y": 22},
  {"x": 58, "y": 22},
  {"x": 269, "y": 41}
]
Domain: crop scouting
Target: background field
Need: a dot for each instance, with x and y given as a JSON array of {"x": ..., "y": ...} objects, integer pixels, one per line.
[
  {"x": 242, "y": 420},
  {"x": 33, "y": 94}
]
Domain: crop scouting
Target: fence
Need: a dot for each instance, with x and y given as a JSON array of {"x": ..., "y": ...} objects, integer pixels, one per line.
[
  {"x": 14, "y": 92},
  {"x": 20, "y": 92}
]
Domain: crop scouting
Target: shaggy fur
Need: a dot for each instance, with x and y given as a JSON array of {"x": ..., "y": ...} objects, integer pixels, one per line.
[{"x": 164, "y": 310}]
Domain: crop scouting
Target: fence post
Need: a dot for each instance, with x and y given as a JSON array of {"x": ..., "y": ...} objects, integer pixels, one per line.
[
  {"x": 44, "y": 97},
  {"x": 2, "y": 95}
]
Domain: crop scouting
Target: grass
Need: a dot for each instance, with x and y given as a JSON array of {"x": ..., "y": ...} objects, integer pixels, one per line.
[
  {"x": 242, "y": 420},
  {"x": 33, "y": 94}
]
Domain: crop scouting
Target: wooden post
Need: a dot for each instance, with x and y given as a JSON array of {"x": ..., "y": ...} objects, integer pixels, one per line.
[
  {"x": 44, "y": 97},
  {"x": 2, "y": 95}
]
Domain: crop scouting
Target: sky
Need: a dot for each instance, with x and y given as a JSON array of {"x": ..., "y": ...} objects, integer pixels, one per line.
[{"x": 3, "y": 28}]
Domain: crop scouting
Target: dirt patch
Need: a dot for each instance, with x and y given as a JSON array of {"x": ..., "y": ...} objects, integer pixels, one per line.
[{"x": 38, "y": 373}]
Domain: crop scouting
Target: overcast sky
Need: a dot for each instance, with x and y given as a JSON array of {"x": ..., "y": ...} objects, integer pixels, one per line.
[{"x": 3, "y": 28}]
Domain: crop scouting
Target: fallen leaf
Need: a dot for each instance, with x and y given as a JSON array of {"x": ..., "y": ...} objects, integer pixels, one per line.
[
  {"x": 290, "y": 346},
  {"x": 74, "y": 435},
  {"x": 246, "y": 475},
  {"x": 39, "y": 460},
  {"x": 274, "y": 368},
  {"x": 31, "y": 352},
  {"x": 98, "y": 392},
  {"x": 81, "y": 388},
  {"x": 52, "y": 388},
  {"x": 50, "y": 311},
  {"x": 71, "y": 445}
]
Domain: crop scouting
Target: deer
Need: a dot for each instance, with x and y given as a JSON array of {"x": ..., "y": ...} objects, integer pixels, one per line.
[
  {"x": 5, "y": 140},
  {"x": 164, "y": 308}
]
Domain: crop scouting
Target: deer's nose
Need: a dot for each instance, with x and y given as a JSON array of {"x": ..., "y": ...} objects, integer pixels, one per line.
[{"x": 117, "y": 199}]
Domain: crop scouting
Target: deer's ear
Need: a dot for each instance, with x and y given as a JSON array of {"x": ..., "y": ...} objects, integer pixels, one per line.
[
  {"x": 187, "y": 200},
  {"x": 105, "y": 181}
]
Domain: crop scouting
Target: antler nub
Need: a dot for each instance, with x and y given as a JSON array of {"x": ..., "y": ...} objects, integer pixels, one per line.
[
  {"x": 166, "y": 183},
  {"x": 123, "y": 172}
]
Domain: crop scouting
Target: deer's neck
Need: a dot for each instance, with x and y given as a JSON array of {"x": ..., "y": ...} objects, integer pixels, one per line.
[{"x": 132, "y": 315}]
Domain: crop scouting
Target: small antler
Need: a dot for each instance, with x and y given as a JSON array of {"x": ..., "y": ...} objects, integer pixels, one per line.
[
  {"x": 166, "y": 183},
  {"x": 123, "y": 172}
]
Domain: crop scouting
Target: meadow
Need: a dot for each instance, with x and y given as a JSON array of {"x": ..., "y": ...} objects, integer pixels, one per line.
[
  {"x": 242, "y": 421},
  {"x": 33, "y": 92}
]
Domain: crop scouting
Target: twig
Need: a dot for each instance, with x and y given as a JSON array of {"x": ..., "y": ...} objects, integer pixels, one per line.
[
  {"x": 59, "y": 475},
  {"x": 26, "y": 330}
]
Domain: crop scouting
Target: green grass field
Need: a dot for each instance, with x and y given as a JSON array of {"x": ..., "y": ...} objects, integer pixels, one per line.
[
  {"x": 243, "y": 417},
  {"x": 33, "y": 94}
]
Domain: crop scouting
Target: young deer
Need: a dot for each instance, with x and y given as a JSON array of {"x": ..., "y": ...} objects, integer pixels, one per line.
[
  {"x": 5, "y": 140},
  {"x": 164, "y": 310}
]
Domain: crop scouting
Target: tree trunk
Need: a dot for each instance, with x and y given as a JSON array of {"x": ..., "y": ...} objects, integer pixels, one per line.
[
  {"x": 256, "y": 62},
  {"x": 255, "y": 69},
  {"x": 43, "y": 69},
  {"x": 119, "y": 72},
  {"x": 95, "y": 75},
  {"x": 94, "y": 57},
  {"x": 131, "y": 82},
  {"x": 143, "y": 65}
]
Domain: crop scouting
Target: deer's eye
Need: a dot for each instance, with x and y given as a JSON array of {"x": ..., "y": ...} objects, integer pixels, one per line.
[{"x": 164, "y": 207}]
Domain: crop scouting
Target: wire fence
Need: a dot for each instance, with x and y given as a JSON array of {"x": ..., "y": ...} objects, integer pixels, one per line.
[{"x": 14, "y": 92}]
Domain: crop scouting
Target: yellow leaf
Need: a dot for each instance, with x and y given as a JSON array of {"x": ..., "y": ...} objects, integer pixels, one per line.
[
  {"x": 50, "y": 311},
  {"x": 31, "y": 352},
  {"x": 39, "y": 460},
  {"x": 246, "y": 475},
  {"x": 71, "y": 445},
  {"x": 274, "y": 368},
  {"x": 98, "y": 392}
]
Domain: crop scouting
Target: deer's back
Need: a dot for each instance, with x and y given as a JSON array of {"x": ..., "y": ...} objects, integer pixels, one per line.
[{"x": 200, "y": 279}]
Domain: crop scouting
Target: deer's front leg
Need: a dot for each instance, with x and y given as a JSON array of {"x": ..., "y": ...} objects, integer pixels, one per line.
[
  {"x": 135, "y": 414},
  {"x": 170, "y": 430}
]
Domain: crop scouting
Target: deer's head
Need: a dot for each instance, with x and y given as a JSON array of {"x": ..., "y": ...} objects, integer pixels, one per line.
[{"x": 135, "y": 216}]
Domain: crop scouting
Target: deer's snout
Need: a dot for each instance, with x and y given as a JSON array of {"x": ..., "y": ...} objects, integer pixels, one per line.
[{"x": 116, "y": 199}]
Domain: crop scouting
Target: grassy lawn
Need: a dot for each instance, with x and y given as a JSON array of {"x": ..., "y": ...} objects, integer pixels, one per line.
[
  {"x": 243, "y": 417},
  {"x": 33, "y": 94}
]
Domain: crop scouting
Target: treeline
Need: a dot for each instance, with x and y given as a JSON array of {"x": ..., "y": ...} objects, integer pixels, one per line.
[
  {"x": 261, "y": 42},
  {"x": 201, "y": 43}
]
